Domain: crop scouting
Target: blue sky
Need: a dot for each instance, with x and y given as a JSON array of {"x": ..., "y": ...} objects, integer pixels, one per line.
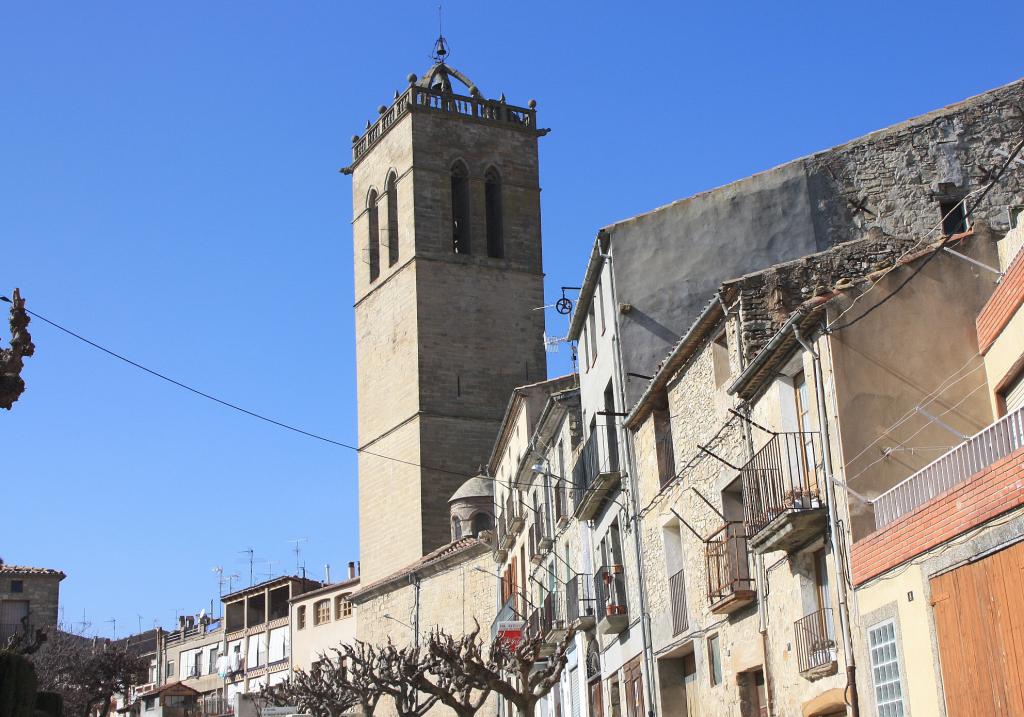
[{"x": 169, "y": 189}]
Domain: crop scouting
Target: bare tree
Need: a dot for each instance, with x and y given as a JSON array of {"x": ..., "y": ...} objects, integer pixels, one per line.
[
  {"x": 322, "y": 692},
  {"x": 519, "y": 672},
  {"x": 11, "y": 383},
  {"x": 403, "y": 676},
  {"x": 350, "y": 678},
  {"x": 88, "y": 673},
  {"x": 446, "y": 677}
]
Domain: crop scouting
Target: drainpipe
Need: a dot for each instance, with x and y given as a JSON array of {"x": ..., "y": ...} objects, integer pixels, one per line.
[
  {"x": 414, "y": 580},
  {"x": 762, "y": 608},
  {"x": 645, "y": 632},
  {"x": 835, "y": 537}
]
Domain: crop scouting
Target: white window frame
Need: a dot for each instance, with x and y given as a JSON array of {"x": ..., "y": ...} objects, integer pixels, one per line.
[{"x": 884, "y": 658}]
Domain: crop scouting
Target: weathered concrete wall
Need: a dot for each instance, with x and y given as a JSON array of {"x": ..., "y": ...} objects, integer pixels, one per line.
[
  {"x": 669, "y": 261},
  {"x": 879, "y": 381},
  {"x": 314, "y": 640}
]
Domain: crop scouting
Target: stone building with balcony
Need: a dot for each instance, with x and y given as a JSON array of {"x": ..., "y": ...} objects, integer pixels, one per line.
[
  {"x": 29, "y": 599},
  {"x": 257, "y": 633},
  {"x": 545, "y": 568},
  {"x": 746, "y": 590}
]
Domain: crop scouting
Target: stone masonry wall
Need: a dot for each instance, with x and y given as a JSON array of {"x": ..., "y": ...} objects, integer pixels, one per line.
[
  {"x": 449, "y": 600},
  {"x": 42, "y": 593}
]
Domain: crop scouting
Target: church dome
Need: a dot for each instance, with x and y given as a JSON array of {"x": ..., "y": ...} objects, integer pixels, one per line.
[{"x": 479, "y": 486}]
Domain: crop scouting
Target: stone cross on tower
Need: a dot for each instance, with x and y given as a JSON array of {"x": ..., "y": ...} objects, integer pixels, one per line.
[{"x": 447, "y": 246}]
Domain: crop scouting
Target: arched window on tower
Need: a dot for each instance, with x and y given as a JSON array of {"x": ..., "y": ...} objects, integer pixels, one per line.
[
  {"x": 482, "y": 522},
  {"x": 492, "y": 208},
  {"x": 460, "y": 208},
  {"x": 391, "y": 189},
  {"x": 372, "y": 235}
]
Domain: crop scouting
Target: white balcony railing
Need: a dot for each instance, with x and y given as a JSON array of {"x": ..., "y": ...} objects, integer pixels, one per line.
[{"x": 973, "y": 455}]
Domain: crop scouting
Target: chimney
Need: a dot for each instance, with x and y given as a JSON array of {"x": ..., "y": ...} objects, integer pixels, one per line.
[
  {"x": 351, "y": 569},
  {"x": 327, "y": 573}
]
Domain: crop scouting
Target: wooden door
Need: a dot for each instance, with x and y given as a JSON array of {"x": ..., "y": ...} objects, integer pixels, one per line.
[
  {"x": 596, "y": 703},
  {"x": 979, "y": 616},
  {"x": 634, "y": 689},
  {"x": 690, "y": 685}
]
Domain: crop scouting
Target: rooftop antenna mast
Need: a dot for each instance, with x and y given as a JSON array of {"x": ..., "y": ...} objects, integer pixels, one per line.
[
  {"x": 140, "y": 622},
  {"x": 250, "y": 552},
  {"x": 113, "y": 629},
  {"x": 270, "y": 569},
  {"x": 296, "y": 549}
]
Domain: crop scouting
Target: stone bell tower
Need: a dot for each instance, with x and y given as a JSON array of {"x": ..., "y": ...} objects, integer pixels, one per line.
[{"x": 446, "y": 234}]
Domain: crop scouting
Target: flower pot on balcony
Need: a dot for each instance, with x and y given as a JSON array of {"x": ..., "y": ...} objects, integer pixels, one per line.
[
  {"x": 615, "y": 570},
  {"x": 615, "y": 610}
]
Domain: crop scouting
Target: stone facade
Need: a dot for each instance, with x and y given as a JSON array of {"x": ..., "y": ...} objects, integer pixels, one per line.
[
  {"x": 442, "y": 337},
  {"x": 29, "y": 597},
  {"x": 451, "y": 589}
]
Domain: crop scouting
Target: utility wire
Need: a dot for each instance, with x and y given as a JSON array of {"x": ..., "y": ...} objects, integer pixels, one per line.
[{"x": 272, "y": 421}]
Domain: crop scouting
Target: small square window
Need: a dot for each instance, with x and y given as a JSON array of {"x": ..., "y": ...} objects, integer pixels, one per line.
[
  {"x": 17, "y": 586},
  {"x": 954, "y": 217}
]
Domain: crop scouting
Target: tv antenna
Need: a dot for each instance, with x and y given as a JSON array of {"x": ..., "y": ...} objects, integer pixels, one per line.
[
  {"x": 251, "y": 553},
  {"x": 113, "y": 629},
  {"x": 270, "y": 568},
  {"x": 296, "y": 549}
]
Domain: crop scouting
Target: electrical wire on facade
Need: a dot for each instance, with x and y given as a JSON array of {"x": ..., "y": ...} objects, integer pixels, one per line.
[{"x": 929, "y": 398}]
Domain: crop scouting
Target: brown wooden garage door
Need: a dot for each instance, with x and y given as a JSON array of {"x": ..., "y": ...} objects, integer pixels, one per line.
[{"x": 979, "y": 614}]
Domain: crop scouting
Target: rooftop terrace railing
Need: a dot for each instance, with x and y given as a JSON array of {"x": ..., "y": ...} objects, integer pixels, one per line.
[
  {"x": 970, "y": 457},
  {"x": 417, "y": 98}
]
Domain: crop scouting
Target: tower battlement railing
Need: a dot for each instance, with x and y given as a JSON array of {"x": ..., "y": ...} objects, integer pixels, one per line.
[{"x": 421, "y": 99}]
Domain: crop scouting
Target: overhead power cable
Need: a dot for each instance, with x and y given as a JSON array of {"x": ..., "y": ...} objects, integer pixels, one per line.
[{"x": 267, "y": 419}]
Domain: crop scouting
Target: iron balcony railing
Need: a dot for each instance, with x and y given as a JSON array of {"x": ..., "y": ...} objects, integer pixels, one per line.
[
  {"x": 535, "y": 622},
  {"x": 726, "y": 556},
  {"x": 677, "y": 596},
  {"x": 579, "y": 599},
  {"x": 815, "y": 640},
  {"x": 786, "y": 474},
  {"x": 553, "y": 612},
  {"x": 610, "y": 591},
  {"x": 972, "y": 456},
  {"x": 502, "y": 532},
  {"x": 598, "y": 455}
]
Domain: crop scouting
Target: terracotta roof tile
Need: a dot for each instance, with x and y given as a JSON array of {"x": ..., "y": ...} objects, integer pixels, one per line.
[{"x": 7, "y": 569}]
